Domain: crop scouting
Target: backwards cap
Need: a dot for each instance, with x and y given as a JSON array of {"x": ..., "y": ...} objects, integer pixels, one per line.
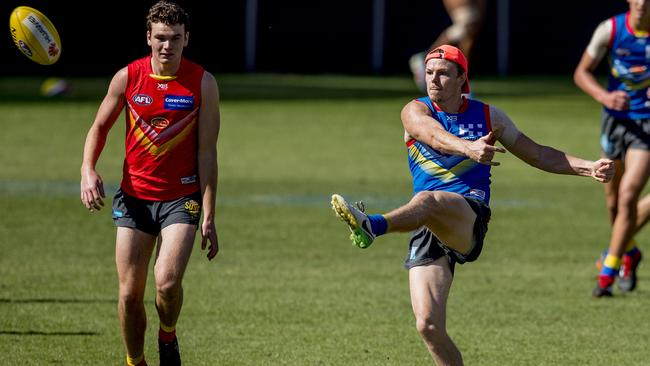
[{"x": 453, "y": 54}]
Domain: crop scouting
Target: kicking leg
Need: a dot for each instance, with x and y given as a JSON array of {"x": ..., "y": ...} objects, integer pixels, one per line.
[{"x": 446, "y": 214}]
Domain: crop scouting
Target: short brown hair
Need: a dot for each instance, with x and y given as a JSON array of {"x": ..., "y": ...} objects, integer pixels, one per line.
[{"x": 168, "y": 13}]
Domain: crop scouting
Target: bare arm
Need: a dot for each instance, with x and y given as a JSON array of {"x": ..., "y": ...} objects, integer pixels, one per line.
[
  {"x": 209, "y": 122},
  {"x": 420, "y": 125},
  {"x": 92, "y": 186},
  {"x": 584, "y": 72},
  {"x": 545, "y": 157}
]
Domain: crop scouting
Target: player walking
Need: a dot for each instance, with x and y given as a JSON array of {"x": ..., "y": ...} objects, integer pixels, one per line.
[{"x": 170, "y": 174}]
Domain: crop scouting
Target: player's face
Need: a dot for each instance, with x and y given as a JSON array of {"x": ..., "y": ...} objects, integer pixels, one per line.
[
  {"x": 443, "y": 80},
  {"x": 639, "y": 9},
  {"x": 167, "y": 42}
]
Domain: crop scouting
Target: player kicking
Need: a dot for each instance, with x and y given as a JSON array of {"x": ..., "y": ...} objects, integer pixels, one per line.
[{"x": 450, "y": 143}]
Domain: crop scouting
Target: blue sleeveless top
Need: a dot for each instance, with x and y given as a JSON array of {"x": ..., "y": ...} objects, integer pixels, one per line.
[
  {"x": 433, "y": 170},
  {"x": 629, "y": 61}
]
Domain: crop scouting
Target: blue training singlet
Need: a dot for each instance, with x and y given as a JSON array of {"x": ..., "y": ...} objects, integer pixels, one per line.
[
  {"x": 629, "y": 61},
  {"x": 433, "y": 170}
]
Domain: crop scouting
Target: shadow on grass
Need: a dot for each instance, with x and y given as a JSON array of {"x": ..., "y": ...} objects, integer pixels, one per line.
[
  {"x": 41, "y": 333},
  {"x": 62, "y": 301},
  {"x": 57, "y": 301}
]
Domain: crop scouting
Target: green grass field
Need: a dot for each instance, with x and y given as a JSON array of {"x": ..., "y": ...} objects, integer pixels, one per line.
[{"x": 288, "y": 288}]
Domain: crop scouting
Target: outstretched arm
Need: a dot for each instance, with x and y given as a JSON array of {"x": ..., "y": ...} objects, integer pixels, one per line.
[
  {"x": 545, "y": 157},
  {"x": 92, "y": 186},
  {"x": 420, "y": 125},
  {"x": 209, "y": 123}
]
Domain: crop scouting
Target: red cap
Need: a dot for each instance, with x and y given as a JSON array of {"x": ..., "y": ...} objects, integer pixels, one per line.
[{"x": 452, "y": 54}]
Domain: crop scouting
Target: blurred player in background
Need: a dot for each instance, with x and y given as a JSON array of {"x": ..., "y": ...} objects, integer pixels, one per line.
[
  {"x": 450, "y": 142},
  {"x": 625, "y": 134},
  {"x": 468, "y": 17},
  {"x": 169, "y": 175}
]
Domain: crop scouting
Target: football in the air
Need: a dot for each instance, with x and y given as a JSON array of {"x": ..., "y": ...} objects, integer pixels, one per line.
[{"x": 34, "y": 35}]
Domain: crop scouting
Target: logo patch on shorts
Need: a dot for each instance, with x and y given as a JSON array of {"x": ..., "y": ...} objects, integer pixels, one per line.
[
  {"x": 414, "y": 252},
  {"x": 607, "y": 145},
  {"x": 192, "y": 207},
  {"x": 117, "y": 214},
  {"x": 477, "y": 193}
]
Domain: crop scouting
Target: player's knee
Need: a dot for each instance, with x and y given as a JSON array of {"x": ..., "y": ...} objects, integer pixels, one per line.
[
  {"x": 467, "y": 22},
  {"x": 426, "y": 198},
  {"x": 627, "y": 199},
  {"x": 130, "y": 299},
  {"x": 472, "y": 29},
  {"x": 428, "y": 329},
  {"x": 456, "y": 33},
  {"x": 168, "y": 288}
]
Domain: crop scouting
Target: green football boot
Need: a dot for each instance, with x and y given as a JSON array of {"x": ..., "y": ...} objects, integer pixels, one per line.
[{"x": 357, "y": 220}]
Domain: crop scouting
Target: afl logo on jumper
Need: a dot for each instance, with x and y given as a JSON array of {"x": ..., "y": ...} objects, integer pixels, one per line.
[
  {"x": 159, "y": 122},
  {"x": 142, "y": 99},
  {"x": 179, "y": 102}
]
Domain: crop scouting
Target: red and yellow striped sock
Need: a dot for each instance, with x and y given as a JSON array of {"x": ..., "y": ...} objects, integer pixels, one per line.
[
  {"x": 135, "y": 361},
  {"x": 167, "y": 334}
]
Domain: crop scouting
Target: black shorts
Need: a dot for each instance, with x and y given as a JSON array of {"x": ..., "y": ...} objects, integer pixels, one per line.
[
  {"x": 152, "y": 216},
  {"x": 425, "y": 247},
  {"x": 617, "y": 135}
]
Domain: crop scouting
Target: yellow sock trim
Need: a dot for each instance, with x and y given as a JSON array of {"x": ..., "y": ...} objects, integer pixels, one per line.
[
  {"x": 167, "y": 329},
  {"x": 612, "y": 261},
  {"x": 631, "y": 244},
  {"x": 135, "y": 360}
]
